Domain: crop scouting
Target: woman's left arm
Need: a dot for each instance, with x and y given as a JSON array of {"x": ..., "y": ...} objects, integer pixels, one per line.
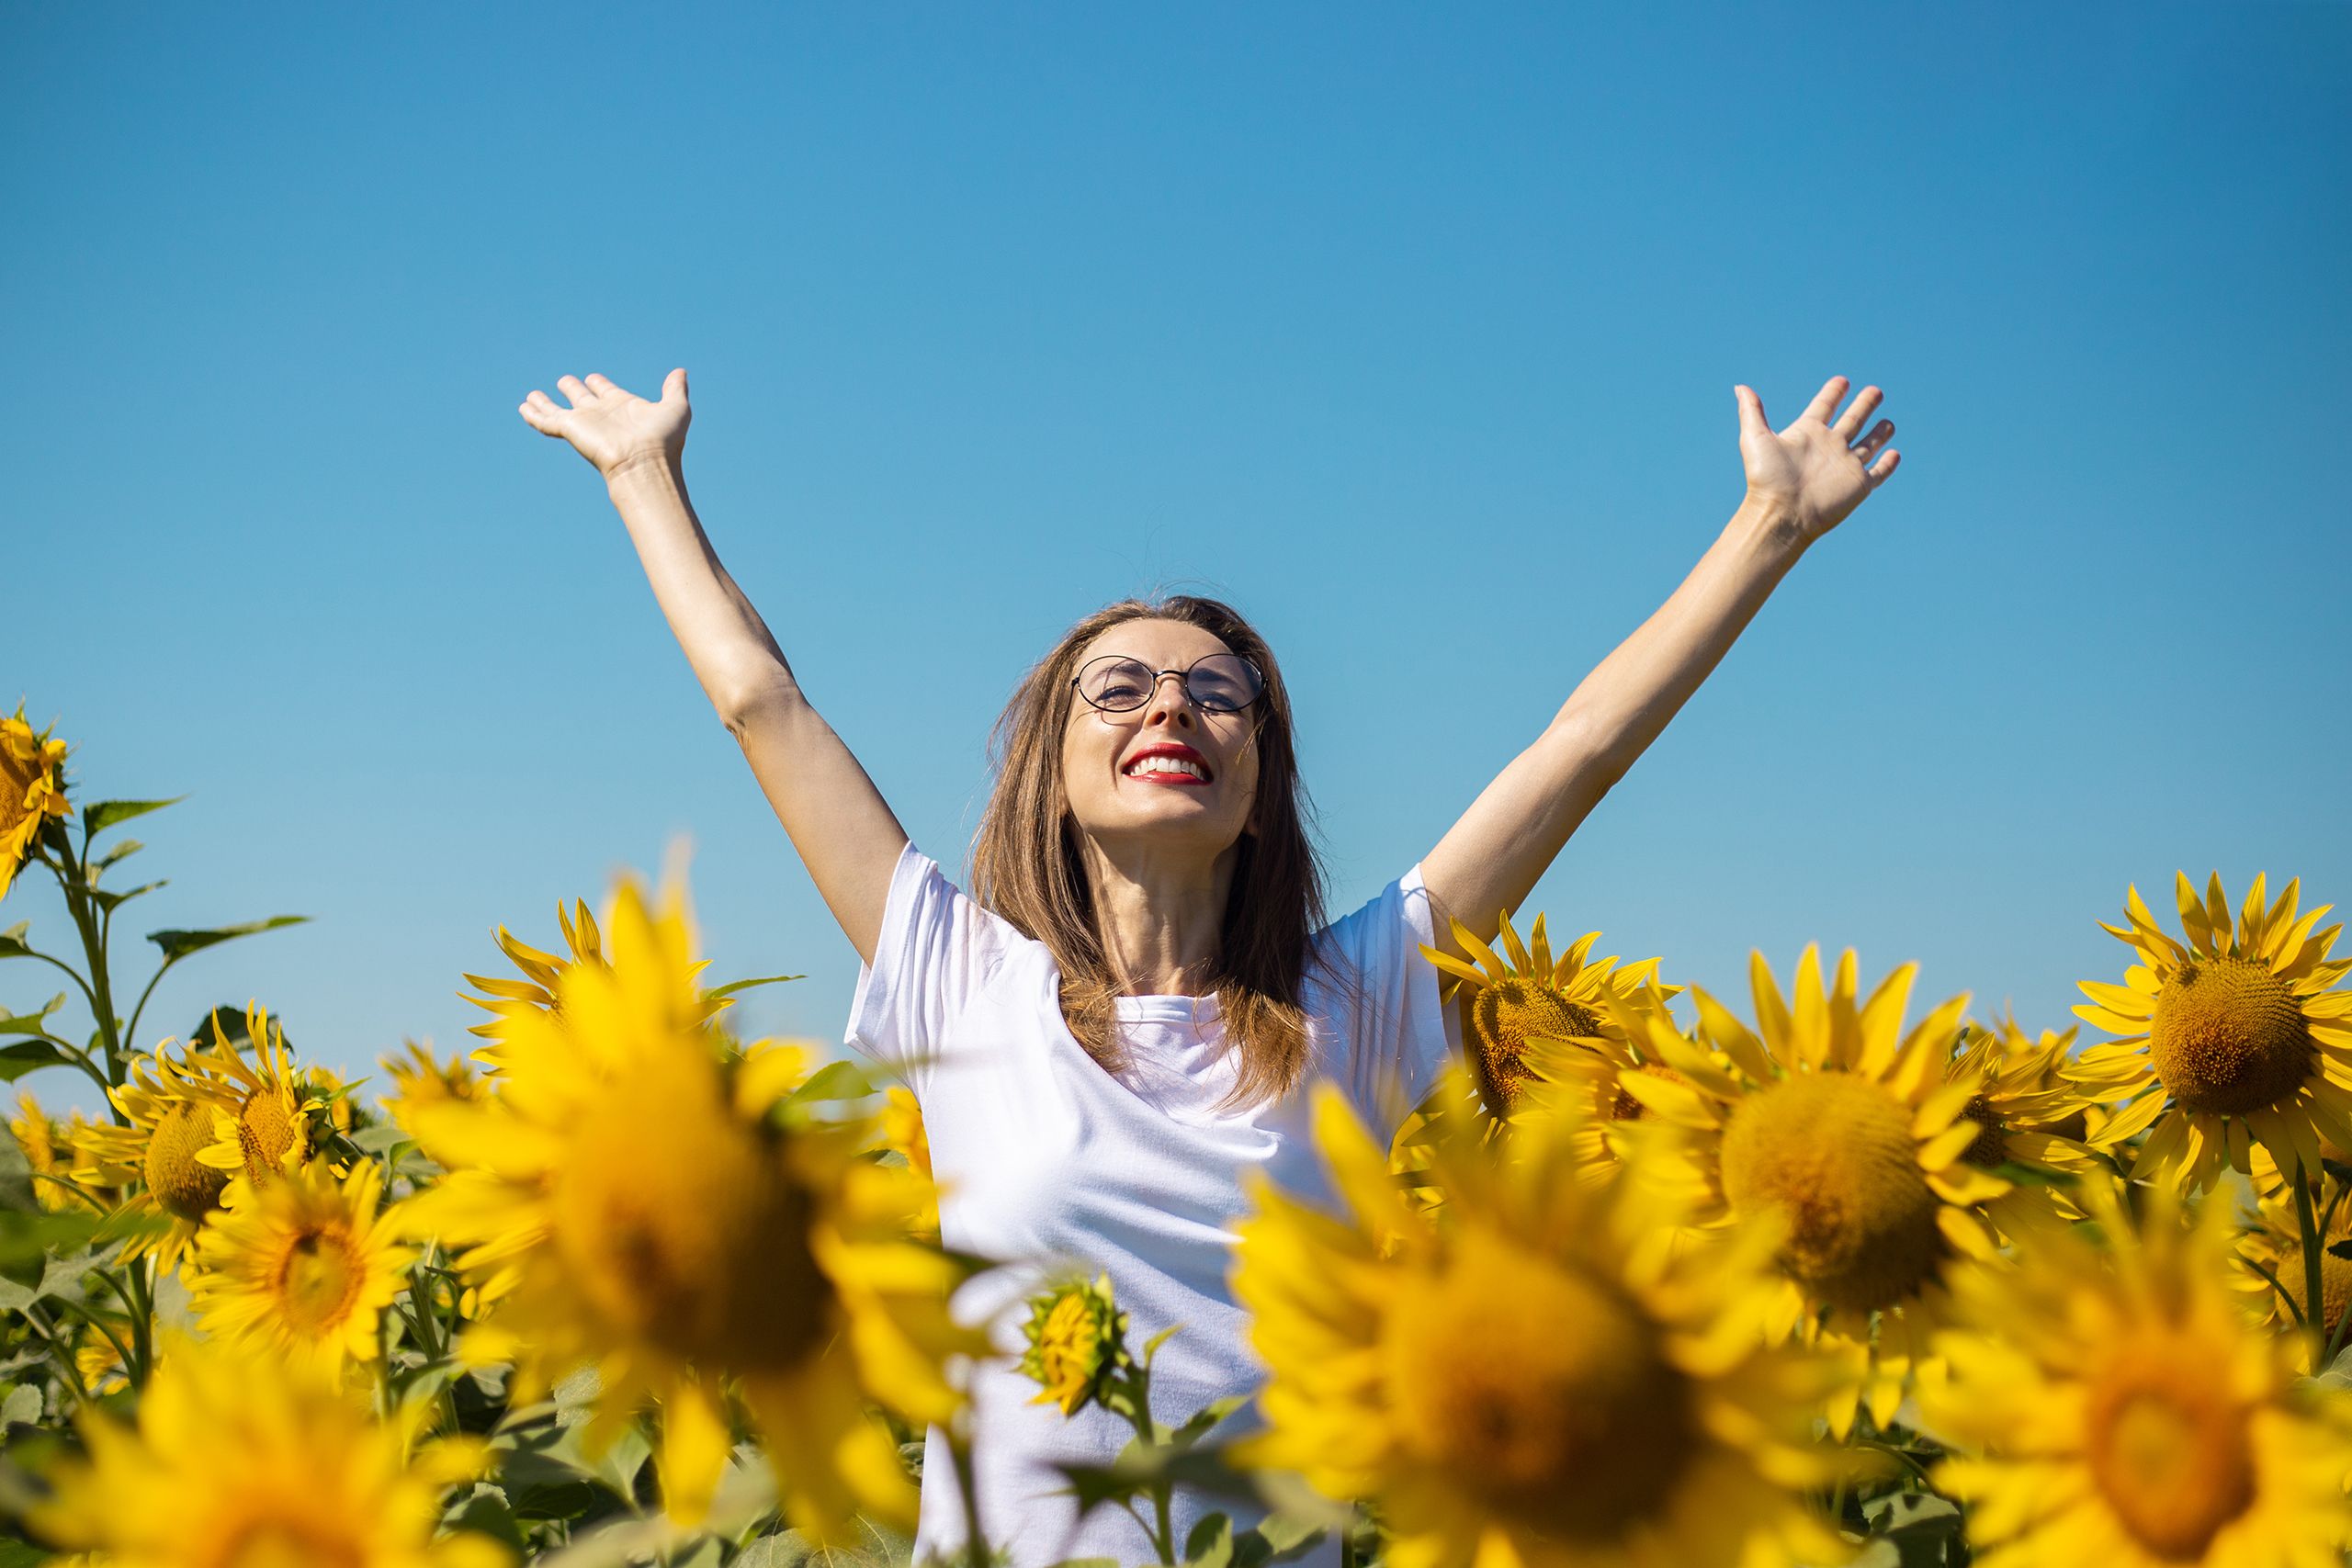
[{"x": 1802, "y": 482}]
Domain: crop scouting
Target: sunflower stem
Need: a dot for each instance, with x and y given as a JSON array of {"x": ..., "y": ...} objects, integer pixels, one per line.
[
  {"x": 76, "y": 890},
  {"x": 2315, "y": 1309},
  {"x": 100, "y": 1323},
  {"x": 142, "y": 1322},
  {"x": 2285, "y": 1294}
]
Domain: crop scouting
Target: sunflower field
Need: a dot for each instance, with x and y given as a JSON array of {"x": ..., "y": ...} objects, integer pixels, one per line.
[{"x": 1657, "y": 1280}]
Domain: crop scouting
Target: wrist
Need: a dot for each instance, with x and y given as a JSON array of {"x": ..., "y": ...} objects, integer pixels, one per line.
[
  {"x": 657, "y": 465},
  {"x": 1770, "y": 525}
]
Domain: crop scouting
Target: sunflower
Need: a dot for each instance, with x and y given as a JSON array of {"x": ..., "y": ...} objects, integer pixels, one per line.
[
  {"x": 304, "y": 1265},
  {"x": 2236, "y": 1037},
  {"x": 1537, "y": 1378},
  {"x": 279, "y": 1114},
  {"x": 641, "y": 1197},
  {"x": 97, "y": 1360},
  {"x": 1581, "y": 1086},
  {"x": 1077, "y": 1343},
  {"x": 2272, "y": 1250},
  {"x": 1523, "y": 995},
  {"x": 49, "y": 1148},
  {"x": 2113, "y": 1406},
  {"x": 420, "y": 1078},
  {"x": 233, "y": 1461},
  {"x": 1845, "y": 1130},
  {"x": 153, "y": 1157},
  {"x": 31, "y": 791}
]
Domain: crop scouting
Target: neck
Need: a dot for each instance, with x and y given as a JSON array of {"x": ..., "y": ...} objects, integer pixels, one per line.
[{"x": 1162, "y": 915}]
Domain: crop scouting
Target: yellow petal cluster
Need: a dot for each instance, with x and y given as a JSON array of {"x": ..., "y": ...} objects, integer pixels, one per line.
[
  {"x": 2111, "y": 1403},
  {"x": 640, "y": 1196},
  {"x": 1831, "y": 1122},
  {"x": 1538, "y": 1374},
  {"x": 235, "y": 1461},
  {"x": 2236, "y": 1037},
  {"x": 304, "y": 1265},
  {"x": 1524, "y": 995},
  {"x": 33, "y": 790}
]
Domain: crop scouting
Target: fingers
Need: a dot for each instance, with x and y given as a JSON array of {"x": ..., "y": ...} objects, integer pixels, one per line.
[
  {"x": 1878, "y": 438},
  {"x": 575, "y": 389},
  {"x": 1751, "y": 412},
  {"x": 1876, "y": 473},
  {"x": 603, "y": 386},
  {"x": 541, "y": 414},
  {"x": 673, "y": 386},
  {"x": 1850, "y": 421},
  {"x": 1826, "y": 400}
]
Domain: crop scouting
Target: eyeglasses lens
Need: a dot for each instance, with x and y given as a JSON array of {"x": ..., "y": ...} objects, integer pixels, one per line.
[{"x": 1222, "y": 682}]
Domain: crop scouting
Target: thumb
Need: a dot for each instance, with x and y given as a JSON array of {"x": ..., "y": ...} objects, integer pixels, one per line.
[
  {"x": 673, "y": 386},
  {"x": 1751, "y": 412}
]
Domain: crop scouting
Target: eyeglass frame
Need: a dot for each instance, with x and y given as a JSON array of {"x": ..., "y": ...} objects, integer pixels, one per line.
[{"x": 1183, "y": 683}]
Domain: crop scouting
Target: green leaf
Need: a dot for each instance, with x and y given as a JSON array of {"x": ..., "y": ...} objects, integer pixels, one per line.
[
  {"x": 2340, "y": 1249},
  {"x": 12, "y": 941},
  {"x": 29, "y": 1057},
  {"x": 25, "y": 1237},
  {"x": 486, "y": 1509},
  {"x": 1211, "y": 1543},
  {"x": 1206, "y": 1417},
  {"x": 32, "y": 1023},
  {"x": 834, "y": 1080},
  {"x": 733, "y": 987},
  {"x": 23, "y": 1554},
  {"x": 380, "y": 1139},
  {"x": 2019, "y": 1174},
  {"x": 20, "y": 1407},
  {"x": 98, "y": 818},
  {"x": 178, "y": 944},
  {"x": 15, "y": 1175},
  {"x": 121, "y": 851},
  {"x": 109, "y": 901}
]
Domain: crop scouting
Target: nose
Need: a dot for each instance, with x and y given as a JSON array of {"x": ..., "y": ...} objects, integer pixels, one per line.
[{"x": 1171, "y": 703}]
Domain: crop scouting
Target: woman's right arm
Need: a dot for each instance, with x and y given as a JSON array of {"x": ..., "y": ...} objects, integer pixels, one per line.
[{"x": 843, "y": 830}]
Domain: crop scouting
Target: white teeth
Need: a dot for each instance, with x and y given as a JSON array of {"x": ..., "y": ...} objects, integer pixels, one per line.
[{"x": 1164, "y": 764}]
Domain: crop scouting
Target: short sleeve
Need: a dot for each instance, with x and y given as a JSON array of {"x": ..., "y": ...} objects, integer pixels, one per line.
[
  {"x": 936, "y": 949},
  {"x": 1391, "y": 1034}
]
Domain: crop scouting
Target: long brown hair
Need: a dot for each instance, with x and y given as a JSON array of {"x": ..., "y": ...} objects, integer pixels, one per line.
[{"x": 1026, "y": 864}]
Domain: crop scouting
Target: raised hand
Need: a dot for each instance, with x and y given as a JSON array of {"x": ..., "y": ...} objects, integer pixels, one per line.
[
  {"x": 1816, "y": 468},
  {"x": 612, "y": 427}
]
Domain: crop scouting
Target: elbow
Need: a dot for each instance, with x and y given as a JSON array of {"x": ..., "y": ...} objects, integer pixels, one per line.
[{"x": 747, "y": 699}]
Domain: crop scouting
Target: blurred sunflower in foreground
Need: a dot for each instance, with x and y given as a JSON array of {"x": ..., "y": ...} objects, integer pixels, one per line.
[
  {"x": 1526, "y": 994},
  {"x": 642, "y": 1196},
  {"x": 1537, "y": 1375},
  {"x": 232, "y": 1461},
  {"x": 2236, "y": 1037},
  {"x": 2115, "y": 1406},
  {"x": 33, "y": 790},
  {"x": 1843, "y": 1129}
]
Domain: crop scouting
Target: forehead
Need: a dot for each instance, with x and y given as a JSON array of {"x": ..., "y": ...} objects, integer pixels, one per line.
[{"x": 1163, "y": 645}]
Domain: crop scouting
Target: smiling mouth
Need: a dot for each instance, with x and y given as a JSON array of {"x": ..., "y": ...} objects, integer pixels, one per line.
[{"x": 1166, "y": 768}]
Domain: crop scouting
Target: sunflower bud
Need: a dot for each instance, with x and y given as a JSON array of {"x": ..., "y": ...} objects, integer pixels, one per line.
[{"x": 1077, "y": 1343}]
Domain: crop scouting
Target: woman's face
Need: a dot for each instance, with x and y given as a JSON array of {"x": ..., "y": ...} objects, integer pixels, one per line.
[{"x": 1169, "y": 773}]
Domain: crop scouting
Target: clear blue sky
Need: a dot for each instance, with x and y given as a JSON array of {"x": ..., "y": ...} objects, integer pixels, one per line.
[{"x": 1412, "y": 330}]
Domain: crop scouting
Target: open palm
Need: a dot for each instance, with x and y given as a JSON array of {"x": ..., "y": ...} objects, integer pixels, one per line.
[
  {"x": 611, "y": 426},
  {"x": 1816, "y": 467}
]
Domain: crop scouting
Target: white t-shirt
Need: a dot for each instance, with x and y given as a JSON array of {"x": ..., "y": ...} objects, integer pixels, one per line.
[{"x": 1053, "y": 1166}]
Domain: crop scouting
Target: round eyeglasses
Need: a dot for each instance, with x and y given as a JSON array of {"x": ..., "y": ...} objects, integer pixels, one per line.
[{"x": 1220, "y": 683}]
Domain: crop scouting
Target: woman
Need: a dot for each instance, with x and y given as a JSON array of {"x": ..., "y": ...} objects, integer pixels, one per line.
[{"x": 1121, "y": 1024}]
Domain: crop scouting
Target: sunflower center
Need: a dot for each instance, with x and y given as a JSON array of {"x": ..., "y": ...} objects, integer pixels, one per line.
[
  {"x": 1834, "y": 1153},
  {"x": 266, "y": 1130},
  {"x": 317, "y": 1277},
  {"x": 2172, "y": 1456},
  {"x": 1505, "y": 1016},
  {"x": 1540, "y": 1390},
  {"x": 684, "y": 1227},
  {"x": 2229, "y": 1038},
  {"x": 1624, "y": 1107},
  {"x": 1987, "y": 1151},
  {"x": 182, "y": 1184}
]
